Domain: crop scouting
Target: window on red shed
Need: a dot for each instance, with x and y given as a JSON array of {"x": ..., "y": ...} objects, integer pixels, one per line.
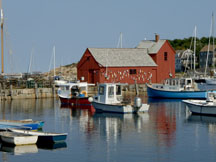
[
  {"x": 165, "y": 56},
  {"x": 133, "y": 71}
]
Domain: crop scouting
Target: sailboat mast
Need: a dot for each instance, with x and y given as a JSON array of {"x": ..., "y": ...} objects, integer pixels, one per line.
[
  {"x": 194, "y": 49},
  {"x": 54, "y": 60},
  {"x": 213, "y": 50},
  {"x": 30, "y": 62},
  {"x": 2, "y": 40},
  {"x": 120, "y": 41},
  {"x": 210, "y": 34}
]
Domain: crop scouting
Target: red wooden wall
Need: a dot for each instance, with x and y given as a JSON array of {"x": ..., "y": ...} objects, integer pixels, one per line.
[{"x": 165, "y": 67}]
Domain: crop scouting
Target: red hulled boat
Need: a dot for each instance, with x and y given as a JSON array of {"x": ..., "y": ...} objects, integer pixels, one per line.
[{"x": 74, "y": 94}]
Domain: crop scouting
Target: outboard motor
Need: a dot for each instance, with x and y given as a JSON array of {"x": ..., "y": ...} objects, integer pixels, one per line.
[{"x": 137, "y": 102}]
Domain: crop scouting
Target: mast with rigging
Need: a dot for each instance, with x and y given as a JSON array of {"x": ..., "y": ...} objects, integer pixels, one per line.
[{"x": 2, "y": 38}]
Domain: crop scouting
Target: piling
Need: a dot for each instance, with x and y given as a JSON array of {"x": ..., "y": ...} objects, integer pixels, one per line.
[{"x": 36, "y": 90}]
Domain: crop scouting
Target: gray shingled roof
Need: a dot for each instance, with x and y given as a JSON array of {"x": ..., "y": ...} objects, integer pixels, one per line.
[
  {"x": 121, "y": 57},
  {"x": 152, "y": 46}
]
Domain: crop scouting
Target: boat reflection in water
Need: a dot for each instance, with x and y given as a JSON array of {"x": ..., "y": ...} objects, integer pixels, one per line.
[
  {"x": 75, "y": 108},
  {"x": 159, "y": 122},
  {"x": 83, "y": 115},
  {"x": 119, "y": 125},
  {"x": 19, "y": 150},
  {"x": 204, "y": 121},
  {"x": 162, "y": 114},
  {"x": 26, "y": 149},
  {"x": 52, "y": 146}
]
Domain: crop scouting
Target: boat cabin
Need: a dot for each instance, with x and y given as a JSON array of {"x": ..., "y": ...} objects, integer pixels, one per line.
[
  {"x": 109, "y": 93},
  {"x": 180, "y": 82},
  {"x": 176, "y": 84},
  {"x": 78, "y": 89}
]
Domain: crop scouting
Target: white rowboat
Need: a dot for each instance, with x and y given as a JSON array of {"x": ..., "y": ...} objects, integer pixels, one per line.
[{"x": 18, "y": 138}]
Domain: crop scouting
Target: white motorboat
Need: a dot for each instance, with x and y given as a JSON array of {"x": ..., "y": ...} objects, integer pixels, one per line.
[
  {"x": 109, "y": 99},
  {"x": 203, "y": 107},
  {"x": 18, "y": 138}
]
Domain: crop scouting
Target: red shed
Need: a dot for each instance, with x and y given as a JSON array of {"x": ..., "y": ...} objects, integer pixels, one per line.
[{"x": 150, "y": 60}]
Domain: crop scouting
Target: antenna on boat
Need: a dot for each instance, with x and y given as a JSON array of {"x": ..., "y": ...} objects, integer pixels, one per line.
[
  {"x": 106, "y": 72},
  {"x": 2, "y": 36}
]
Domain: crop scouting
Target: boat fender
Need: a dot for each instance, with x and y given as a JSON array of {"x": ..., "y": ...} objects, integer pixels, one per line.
[
  {"x": 84, "y": 92},
  {"x": 90, "y": 99}
]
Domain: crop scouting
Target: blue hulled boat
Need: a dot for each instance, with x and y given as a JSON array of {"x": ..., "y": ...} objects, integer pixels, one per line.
[
  {"x": 180, "y": 88},
  {"x": 21, "y": 124}
]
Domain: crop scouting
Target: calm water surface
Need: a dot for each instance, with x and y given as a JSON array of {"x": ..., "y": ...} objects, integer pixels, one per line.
[{"x": 168, "y": 132}]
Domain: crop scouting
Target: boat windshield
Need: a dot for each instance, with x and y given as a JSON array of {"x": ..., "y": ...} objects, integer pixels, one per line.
[
  {"x": 188, "y": 82},
  {"x": 111, "y": 92},
  {"x": 182, "y": 83},
  {"x": 75, "y": 90},
  {"x": 118, "y": 90},
  {"x": 101, "y": 90},
  {"x": 65, "y": 87},
  {"x": 82, "y": 89}
]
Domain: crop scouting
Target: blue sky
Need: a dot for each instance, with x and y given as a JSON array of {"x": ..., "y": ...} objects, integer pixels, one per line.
[{"x": 72, "y": 26}]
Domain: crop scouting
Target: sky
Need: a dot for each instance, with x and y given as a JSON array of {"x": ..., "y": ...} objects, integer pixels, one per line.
[{"x": 34, "y": 27}]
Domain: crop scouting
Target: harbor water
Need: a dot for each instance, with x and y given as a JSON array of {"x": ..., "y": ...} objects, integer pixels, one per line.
[{"x": 168, "y": 132}]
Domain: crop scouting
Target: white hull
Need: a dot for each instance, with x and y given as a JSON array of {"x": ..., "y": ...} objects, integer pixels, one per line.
[
  {"x": 117, "y": 108},
  {"x": 18, "y": 139},
  {"x": 211, "y": 81},
  {"x": 201, "y": 107}
]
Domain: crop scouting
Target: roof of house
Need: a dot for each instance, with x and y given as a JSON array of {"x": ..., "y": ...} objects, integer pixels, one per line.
[
  {"x": 205, "y": 48},
  {"x": 122, "y": 57},
  {"x": 152, "y": 46},
  {"x": 184, "y": 54}
]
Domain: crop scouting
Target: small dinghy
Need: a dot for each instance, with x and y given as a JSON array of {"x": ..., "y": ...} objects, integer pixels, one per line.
[
  {"x": 21, "y": 124},
  {"x": 43, "y": 136},
  {"x": 18, "y": 138}
]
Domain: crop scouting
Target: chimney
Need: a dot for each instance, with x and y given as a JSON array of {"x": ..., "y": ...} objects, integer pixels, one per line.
[{"x": 157, "y": 37}]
